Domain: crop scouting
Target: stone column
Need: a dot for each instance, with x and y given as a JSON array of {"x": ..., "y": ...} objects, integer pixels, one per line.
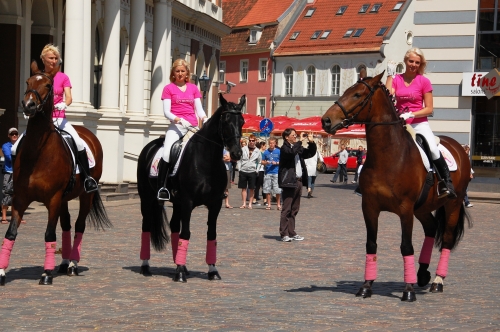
[
  {"x": 136, "y": 57},
  {"x": 111, "y": 56},
  {"x": 88, "y": 59},
  {"x": 73, "y": 55}
]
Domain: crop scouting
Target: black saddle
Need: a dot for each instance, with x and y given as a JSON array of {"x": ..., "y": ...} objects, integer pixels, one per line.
[
  {"x": 175, "y": 152},
  {"x": 429, "y": 179}
]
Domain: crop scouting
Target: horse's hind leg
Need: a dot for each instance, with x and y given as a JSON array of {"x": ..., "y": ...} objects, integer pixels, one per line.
[
  {"x": 74, "y": 256},
  {"x": 410, "y": 276},
  {"x": 371, "y": 223},
  {"x": 54, "y": 208},
  {"x": 66, "y": 238},
  {"x": 429, "y": 225},
  {"x": 211, "y": 253}
]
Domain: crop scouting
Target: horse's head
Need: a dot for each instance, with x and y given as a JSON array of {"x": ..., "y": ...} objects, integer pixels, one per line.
[
  {"x": 353, "y": 106},
  {"x": 38, "y": 91},
  {"x": 231, "y": 123}
]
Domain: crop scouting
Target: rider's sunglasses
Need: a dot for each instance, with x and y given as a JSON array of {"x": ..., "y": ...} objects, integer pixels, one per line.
[{"x": 13, "y": 134}]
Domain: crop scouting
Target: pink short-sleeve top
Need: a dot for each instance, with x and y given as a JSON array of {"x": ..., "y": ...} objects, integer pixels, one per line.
[
  {"x": 412, "y": 96},
  {"x": 61, "y": 81},
  {"x": 182, "y": 102}
]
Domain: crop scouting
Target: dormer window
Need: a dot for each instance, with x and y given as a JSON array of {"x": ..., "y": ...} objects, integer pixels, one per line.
[
  {"x": 398, "y": 6},
  {"x": 358, "y": 32},
  {"x": 348, "y": 33},
  {"x": 341, "y": 10},
  {"x": 294, "y": 35},
  {"x": 364, "y": 8},
  {"x": 255, "y": 34},
  {"x": 316, "y": 34},
  {"x": 381, "y": 31},
  {"x": 325, "y": 34},
  {"x": 375, "y": 8},
  {"x": 310, "y": 12}
]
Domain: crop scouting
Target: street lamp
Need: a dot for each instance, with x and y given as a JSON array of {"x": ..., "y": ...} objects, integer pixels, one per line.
[{"x": 204, "y": 86}]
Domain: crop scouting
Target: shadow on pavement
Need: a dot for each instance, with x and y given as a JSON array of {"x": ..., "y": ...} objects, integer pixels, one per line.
[
  {"x": 35, "y": 272},
  {"x": 166, "y": 272}
]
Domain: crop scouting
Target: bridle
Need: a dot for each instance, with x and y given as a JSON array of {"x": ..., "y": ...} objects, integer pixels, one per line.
[
  {"x": 350, "y": 118},
  {"x": 41, "y": 103},
  {"x": 220, "y": 131}
]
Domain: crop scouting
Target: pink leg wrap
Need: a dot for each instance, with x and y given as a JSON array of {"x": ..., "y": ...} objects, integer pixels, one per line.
[
  {"x": 174, "y": 240},
  {"x": 77, "y": 247},
  {"x": 50, "y": 255},
  {"x": 182, "y": 250},
  {"x": 426, "y": 253},
  {"x": 410, "y": 274},
  {"x": 66, "y": 244},
  {"x": 211, "y": 257},
  {"x": 442, "y": 269},
  {"x": 371, "y": 267},
  {"x": 145, "y": 245},
  {"x": 5, "y": 253}
]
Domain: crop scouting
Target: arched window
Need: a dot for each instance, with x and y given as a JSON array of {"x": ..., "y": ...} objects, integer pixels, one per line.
[
  {"x": 400, "y": 68},
  {"x": 358, "y": 70},
  {"x": 288, "y": 81},
  {"x": 335, "y": 70},
  {"x": 311, "y": 80}
]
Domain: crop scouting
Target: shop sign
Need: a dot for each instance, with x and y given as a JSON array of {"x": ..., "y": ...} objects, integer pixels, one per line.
[{"x": 481, "y": 84}]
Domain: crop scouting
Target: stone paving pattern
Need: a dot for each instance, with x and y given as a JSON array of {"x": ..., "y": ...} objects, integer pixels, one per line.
[{"x": 266, "y": 285}]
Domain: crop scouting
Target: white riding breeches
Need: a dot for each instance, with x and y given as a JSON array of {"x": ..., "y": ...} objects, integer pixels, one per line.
[
  {"x": 173, "y": 134},
  {"x": 424, "y": 129}
]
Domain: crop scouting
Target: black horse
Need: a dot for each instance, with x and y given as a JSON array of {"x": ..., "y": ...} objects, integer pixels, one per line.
[{"x": 200, "y": 179}]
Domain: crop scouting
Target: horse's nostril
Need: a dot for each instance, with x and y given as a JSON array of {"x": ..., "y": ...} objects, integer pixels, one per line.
[{"x": 326, "y": 122}]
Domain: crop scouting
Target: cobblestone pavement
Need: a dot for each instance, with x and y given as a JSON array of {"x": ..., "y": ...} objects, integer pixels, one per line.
[{"x": 266, "y": 285}]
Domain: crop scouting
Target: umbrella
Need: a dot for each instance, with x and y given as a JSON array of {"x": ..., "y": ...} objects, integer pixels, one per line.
[
  {"x": 353, "y": 131},
  {"x": 252, "y": 122}
]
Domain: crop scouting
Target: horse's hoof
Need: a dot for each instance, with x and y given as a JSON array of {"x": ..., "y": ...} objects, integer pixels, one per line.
[
  {"x": 436, "y": 288},
  {"x": 409, "y": 296},
  {"x": 214, "y": 275},
  {"x": 2, "y": 280},
  {"x": 63, "y": 268},
  {"x": 145, "y": 271},
  {"x": 364, "y": 292},
  {"x": 45, "y": 280},
  {"x": 180, "y": 277},
  {"x": 423, "y": 278},
  {"x": 72, "y": 271}
]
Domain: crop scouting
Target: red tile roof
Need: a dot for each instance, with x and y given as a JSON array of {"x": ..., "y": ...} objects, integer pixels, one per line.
[
  {"x": 325, "y": 18},
  {"x": 233, "y": 11},
  {"x": 265, "y": 11},
  {"x": 237, "y": 41}
]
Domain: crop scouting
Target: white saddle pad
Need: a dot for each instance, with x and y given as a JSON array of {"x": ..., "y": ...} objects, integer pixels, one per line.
[
  {"x": 450, "y": 160},
  {"x": 153, "y": 171},
  {"x": 90, "y": 156}
]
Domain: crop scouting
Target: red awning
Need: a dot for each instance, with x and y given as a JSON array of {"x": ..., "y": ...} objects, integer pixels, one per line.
[{"x": 354, "y": 131}]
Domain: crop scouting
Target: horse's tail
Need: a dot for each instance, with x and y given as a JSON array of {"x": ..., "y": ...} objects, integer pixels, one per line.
[
  {"x": 159, "y": 227},
  {"x": 98, "y": 218},
  {"x": 459, "y": 228}
]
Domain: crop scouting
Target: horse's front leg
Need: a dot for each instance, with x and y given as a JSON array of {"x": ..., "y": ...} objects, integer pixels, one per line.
[
  {"x": 180, "y": 253},
  {"x": 429, "y": 225},
  {"x": 410, "y": 276},
  {"x": 371, "y": 222},
  {"x": 66, "y": 238},
  {"x": 211, "y": 253},
  {"x": 54, "y": 208},
  {"x": 18, "y": 209}
]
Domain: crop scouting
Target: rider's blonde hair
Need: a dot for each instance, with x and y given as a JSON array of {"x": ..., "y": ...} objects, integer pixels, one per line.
[
  {"x": 423, "y": 62},
  {"x": 177, "y": 63},
  {"x": 51, "y": 48}
]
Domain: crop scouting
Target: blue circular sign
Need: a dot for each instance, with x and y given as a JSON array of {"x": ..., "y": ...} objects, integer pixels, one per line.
[{"x": 266, "y": 126}]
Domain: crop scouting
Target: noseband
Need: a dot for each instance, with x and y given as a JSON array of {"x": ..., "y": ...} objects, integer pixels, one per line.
[
  {"x": 41, "y": 103},
  {"x": 349, "y": 120}
]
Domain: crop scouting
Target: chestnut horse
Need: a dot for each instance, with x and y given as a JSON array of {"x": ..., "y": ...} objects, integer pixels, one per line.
[
  {"x": 201, "y": 180},
  {"x": 43, "y": 172},
  {"x": 393, "y": 178}
]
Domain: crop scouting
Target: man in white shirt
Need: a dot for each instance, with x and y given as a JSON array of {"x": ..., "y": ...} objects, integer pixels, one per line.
[{"x": 342, "y": 166}]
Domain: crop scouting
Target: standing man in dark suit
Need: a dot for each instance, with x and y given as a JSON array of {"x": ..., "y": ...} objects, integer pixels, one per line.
[
  {"x": 292, "y": 174},
  {"x": 359, "y": 162}
]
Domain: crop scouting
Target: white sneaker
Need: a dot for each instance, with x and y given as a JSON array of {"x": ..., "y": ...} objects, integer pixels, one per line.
[
  {"x": 354, "y": 181},
  {"x": 297, "y": 238},
  {"x": 469, "y": 205},
  {"x": 286, "y": 239}
]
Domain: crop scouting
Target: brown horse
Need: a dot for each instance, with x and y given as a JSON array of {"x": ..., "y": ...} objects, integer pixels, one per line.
[
  {"x": 43, "y": 172},
  {"x": 393, "y": 178}
]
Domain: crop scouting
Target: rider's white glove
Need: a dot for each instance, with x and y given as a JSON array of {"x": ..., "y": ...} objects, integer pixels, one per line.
[
  {"x": 205, "y": 120},
  {"x": 61, "y": 106},
  {"x": 391, "y": 68},
  {"x": 406, "y": 116},
  {"x": 185, "y": 123}
]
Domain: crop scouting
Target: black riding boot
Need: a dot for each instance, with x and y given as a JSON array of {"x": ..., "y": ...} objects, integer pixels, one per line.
[
  {"x": 163, "y": 168},
  {"x": 89, "y": 184},
  {"x": 444, "y": 172}
]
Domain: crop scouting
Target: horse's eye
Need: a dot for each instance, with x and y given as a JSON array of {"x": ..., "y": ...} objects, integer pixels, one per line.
[{"x": 357, "y": 95}]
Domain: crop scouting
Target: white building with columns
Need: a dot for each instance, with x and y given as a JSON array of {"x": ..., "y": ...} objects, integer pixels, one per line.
[{"x": 117, "y": 54}]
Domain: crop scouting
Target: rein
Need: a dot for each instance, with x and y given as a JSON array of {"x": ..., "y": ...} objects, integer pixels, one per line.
[{"x": 349, "y": 120}]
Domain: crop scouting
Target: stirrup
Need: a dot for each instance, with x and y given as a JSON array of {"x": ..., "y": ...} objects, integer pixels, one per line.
[
  {"x": 444, "y": 191},
  {"x": 163, "y": 194},
  {"x": 90, "y": 185}
]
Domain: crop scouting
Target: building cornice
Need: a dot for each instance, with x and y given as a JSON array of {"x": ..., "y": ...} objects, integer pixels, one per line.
[{"x": 199, "y": 19}]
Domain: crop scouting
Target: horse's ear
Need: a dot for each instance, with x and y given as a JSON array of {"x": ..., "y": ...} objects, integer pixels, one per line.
[
  {"x": 379, "y": 76},
  {"x": 34, "y": 67},
  {"x": 243, "y": 100},
  {"x": 222, "y": 100}
]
